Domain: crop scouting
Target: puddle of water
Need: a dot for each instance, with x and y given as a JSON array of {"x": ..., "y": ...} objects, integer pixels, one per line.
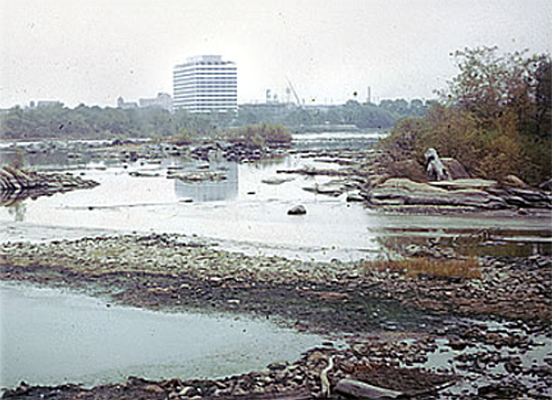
[
  {"x": 444, "y": 356},
  {"x": 49, "y": 336}
]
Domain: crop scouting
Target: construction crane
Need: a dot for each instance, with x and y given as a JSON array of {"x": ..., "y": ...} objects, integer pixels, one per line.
[{"x": 290, "y": 85}]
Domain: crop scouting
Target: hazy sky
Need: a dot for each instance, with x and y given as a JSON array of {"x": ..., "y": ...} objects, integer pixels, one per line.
[{"x": 93, "y": 51}]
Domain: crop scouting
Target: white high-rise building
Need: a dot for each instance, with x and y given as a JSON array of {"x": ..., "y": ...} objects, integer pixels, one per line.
[{"x": 206, "y": 84}]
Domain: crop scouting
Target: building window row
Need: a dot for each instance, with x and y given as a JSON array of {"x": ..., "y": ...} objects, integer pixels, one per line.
[
  {"x": 192, "y": 74},
  {"x": 196, "y": 69}
]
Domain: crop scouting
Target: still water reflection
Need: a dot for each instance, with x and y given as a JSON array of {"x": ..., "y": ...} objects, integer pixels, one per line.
[
  {"x": 241, "y": 211},
  {"x": 211, "y": 191}
]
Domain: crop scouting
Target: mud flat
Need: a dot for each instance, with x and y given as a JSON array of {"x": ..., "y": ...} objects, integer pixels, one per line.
[{"x": 486, "y": 332}]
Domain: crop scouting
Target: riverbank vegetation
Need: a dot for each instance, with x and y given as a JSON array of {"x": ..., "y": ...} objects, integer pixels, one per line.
[
  {"x": 54, "y": 121},
  {"x": 426, "y": 267},
  {"x": 494, "y": 117},
  {"x": 259, "y": 135}
]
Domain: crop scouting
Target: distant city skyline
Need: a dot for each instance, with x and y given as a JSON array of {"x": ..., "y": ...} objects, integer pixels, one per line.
[{"x": 94, "y": 51}]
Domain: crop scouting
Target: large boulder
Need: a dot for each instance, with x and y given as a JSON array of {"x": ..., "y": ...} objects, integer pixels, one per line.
[
  {"x": 402, "y": 192},
  {"x": 409, "y": 169},
  {"x": 297, "y": 210},
  {"x": 455, "y": 169}
]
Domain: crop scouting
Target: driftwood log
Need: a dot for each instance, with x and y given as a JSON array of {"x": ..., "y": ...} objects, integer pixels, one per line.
[{"x": 361, "y": 390}]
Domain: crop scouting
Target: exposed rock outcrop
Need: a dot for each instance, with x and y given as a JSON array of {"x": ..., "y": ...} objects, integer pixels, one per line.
[
  {"x": 197, "y": 176},
  {"x": 17, "y": 183},
  {"x": 399, "y": 191},
  {"x": 470, "y": 193},
  {"x": 455, "y": 169}
]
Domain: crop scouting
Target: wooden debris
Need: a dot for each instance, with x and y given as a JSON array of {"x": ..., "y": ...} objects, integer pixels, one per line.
[{"x": 361, "y": 390}]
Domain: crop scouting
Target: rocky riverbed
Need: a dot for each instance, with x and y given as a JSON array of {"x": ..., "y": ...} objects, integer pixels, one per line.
[
  {"x": 17, "y": 184},
  {"x": 404, "y": 187},
  {"x": 368, "y": 175},
  {"x": 440, "y": 323},
  {"x": 396, "y": 320}
]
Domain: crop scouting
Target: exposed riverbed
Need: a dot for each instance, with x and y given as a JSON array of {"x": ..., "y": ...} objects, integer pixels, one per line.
[{"x": 230, "y": 247}]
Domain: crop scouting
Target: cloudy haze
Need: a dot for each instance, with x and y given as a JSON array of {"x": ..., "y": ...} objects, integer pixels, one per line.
[{"x": 92, "y": 51}]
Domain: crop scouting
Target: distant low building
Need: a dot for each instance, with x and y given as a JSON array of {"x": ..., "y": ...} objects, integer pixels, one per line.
[
  {"x": 163, "y": 100},
  {"x": 45, "y": 103},
  {"x": 121, "y": 103}
]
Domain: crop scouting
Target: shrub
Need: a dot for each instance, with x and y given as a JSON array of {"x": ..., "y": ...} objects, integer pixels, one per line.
[
  {"x": 260, "y": 135},
  {"x": 184, "y": 138},
  {"x": 414, "y": 267}
]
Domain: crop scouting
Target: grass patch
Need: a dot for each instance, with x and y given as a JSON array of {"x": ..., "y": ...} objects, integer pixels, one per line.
[{"x": 414, "y": 267}]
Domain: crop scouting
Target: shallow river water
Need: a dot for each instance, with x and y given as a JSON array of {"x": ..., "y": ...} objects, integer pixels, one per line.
[
  {"x": 50, "y": 336},
  {"x": 241, "y": 213}
]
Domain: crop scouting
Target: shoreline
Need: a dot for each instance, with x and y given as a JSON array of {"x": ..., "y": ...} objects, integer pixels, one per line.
[{"x": 172, "y": 273}]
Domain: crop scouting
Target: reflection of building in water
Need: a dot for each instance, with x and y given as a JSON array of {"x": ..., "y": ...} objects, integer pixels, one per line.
[{"x": 210, "y": 191}]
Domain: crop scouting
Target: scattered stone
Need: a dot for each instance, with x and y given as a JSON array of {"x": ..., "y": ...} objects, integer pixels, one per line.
[
  {"x": 276, "y": 181},
  {"x": 197, "y": 177},
  {"x": 354, "y": 197},
  {"x": 297, "y": 210},
  {"x": 139, "y": 174}
]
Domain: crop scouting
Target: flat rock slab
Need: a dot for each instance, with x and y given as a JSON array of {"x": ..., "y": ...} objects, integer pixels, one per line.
[
  {"x": 477, "y": 184},
  {"x": 400, "y": 191},
  {"x": 197, "y": 176},
  {"x": 276, "y": 181}
]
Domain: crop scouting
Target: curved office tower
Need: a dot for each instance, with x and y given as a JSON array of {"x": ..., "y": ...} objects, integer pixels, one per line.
[{"x": 206, "y": 84}]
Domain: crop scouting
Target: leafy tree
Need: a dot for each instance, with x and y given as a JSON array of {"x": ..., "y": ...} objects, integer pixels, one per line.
[
  {"x": 489, "y": 83},
  {"x": 543, "y": 95},
  {"x": 494, "y": 117}
]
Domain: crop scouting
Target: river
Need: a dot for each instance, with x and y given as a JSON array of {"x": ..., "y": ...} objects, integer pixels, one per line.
[
  {"x": 51, "y": 336},
  {"x": 243, "y": 213}
]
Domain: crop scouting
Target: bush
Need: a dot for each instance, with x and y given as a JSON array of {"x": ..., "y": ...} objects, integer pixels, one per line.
[
  {"x": 184, "y": 138},
  {"x": 487, "y": 149},
  {"x": 260, "y": 135}
]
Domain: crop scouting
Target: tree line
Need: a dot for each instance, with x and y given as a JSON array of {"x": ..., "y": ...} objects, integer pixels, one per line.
[
  {"x": 494, "y": 117},
  {"x": 57, "y": 121},
  {"x": 360, "y": 115}
]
